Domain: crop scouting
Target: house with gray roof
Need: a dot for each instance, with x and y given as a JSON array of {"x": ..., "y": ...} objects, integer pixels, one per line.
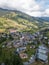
[
  {"x": 21, "y": 49},
  {"x": 42, "y": 53}
]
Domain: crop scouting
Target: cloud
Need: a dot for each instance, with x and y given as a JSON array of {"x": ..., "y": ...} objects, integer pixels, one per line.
[
  {"x": 46, "y": 12},
  {"x": 35, "y": 13},
  {"x": 31, "y": 7}
]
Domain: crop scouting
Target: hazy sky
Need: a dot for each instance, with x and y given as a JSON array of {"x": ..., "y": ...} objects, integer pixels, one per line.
[{"x": 31, "y": 7}]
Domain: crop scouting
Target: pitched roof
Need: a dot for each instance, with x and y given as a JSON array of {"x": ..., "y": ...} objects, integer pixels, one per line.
[{"x": 42, "y": 56}]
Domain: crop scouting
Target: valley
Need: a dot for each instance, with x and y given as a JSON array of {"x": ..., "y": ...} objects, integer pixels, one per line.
[{"x": 21, "y": 37}]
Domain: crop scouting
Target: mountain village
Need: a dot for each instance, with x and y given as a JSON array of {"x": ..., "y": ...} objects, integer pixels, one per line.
[{"x": 30, "y": 47}]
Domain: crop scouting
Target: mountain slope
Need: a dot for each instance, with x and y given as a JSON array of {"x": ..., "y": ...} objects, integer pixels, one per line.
[
  {"x": 45, "y": 18},
  {"x": 20, "y": 21}
]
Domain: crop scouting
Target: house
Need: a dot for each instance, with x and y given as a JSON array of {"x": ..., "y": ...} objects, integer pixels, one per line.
[
  {"x": 42, "y": 57},
  {"x": 48, "y": 42},
  {"x": 16, "y": 43},
  {"x": 43, "y": 47},
  {"x": 42, "y": 53},
  {"x": 45, "y": 38},
  {"x": 42, "y": 50},
  {"x": 3, "y": 46},
  {"x": 38, "y": 33},
  {"x": 32, "y": 59},
  {"x": 23, "y": 55},
  {"x": 12, "y": 30},
  {"x": 21, "y": 49},
  {"x": 33, "y": 46}
]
